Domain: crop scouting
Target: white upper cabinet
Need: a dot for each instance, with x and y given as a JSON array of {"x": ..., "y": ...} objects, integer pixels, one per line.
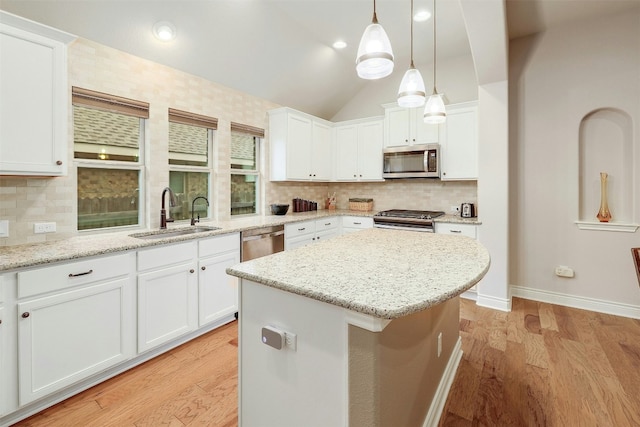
[
  {"x": 300, "y": 146},
  {"x": 33, "y": 98},
  {"x": 405, "y": 126},
  {"x": 459, "y": 143},
  {"x": 358, "y": 148}
]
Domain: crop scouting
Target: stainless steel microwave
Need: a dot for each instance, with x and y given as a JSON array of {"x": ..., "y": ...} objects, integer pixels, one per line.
[{"x": 413, "y": 161}]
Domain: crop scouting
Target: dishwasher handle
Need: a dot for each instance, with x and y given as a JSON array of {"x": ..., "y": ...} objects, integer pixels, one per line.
[{"x": 262, "y": 236}]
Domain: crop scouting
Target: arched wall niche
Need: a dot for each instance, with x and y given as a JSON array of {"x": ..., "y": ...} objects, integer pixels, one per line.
[{"x": 606, "y": 145}]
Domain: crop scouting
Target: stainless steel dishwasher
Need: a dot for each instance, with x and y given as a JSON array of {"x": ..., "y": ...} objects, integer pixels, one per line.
[{"x": 262, "y": 241}]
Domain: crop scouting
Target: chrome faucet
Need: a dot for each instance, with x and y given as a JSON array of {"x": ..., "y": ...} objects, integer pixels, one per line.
[
  {"x": 193, "y": 220},
  {"x": 163, "y": 213}
]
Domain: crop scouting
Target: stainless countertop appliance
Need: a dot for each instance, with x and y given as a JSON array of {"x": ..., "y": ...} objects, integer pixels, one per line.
[
  {"x": 406, "y": 220},
  {"x": 263, "y": 241}
]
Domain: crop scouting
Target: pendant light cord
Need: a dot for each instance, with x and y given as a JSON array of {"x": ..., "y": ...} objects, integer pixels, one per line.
[
  {"x": 434, "y": 48},
  {"x": 411, "y": 34},
  {"x": 375, "y": 18}
]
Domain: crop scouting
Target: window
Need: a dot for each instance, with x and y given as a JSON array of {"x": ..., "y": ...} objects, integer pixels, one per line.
[
  {"x": 108, "y": 132},
  {"x": 190, "y": 147},
  {"x": 245, "y": 168}
]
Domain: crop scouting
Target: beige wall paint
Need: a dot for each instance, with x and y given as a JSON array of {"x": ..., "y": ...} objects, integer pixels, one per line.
[
  {"x": 26, "y": 200},
  {"x": 394, "y": 374},
  {"x": 556, "y": 78}
]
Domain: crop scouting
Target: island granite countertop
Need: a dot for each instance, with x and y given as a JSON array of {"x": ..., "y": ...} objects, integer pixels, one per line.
[{"x": 380, "y": 272}]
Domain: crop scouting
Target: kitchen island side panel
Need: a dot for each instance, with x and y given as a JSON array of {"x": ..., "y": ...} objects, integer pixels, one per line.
[
  {"x": 394, "y": 374},
  {"x": 305, "y": 387}
]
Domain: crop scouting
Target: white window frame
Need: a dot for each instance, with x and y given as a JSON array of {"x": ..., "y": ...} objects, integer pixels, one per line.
[{"x": 253, "y": 172}]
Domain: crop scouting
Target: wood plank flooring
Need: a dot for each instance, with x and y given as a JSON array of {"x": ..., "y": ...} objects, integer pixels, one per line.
[{"x": 539, "y": 365}]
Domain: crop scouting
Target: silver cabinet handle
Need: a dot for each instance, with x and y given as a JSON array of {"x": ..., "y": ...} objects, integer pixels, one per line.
[
  {"x": 192, "y": 271},
  {"x": 25, "y": 314},
  {"x": 456, "y": 231},
  {"x": 302, "y": 229},
  {"x": 203, "y": 268},
  {"x": 80, "y": 274},
  {"x": 357, "y": 223}
]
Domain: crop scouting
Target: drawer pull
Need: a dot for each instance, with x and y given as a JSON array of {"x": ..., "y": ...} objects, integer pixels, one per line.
[
  {"x": 25, "y": 314},
  {"x": 203, "y": 268},
  {"x": 357, "y": 223},
  {"x": 80, "y": 274},
  {"x": 456, "y": 231},
  {"x": 59, "y": 163},
  {"x": 192, "y": 271},
  {"x": 302, "y": 229},
  {"x": 328, "y": 223},
  {"x": 0, "y": 321}
]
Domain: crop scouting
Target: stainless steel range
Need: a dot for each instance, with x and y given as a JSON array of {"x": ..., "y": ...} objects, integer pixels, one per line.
[{"x": 406, "y": 220}]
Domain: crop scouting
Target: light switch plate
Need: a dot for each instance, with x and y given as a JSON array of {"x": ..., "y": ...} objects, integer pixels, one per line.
[{"x": 4, "y": 228}]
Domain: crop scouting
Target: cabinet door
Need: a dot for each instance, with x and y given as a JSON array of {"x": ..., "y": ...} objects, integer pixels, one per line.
[
  {"x": 459, "y": 146},
  {"x": 321, "y": 152},
  {"x": 397, "y": 127},
  {"x": 3, "y": 360},
  {"x": 425, "y": 133},
  {"x": 217, "y": 291},
  {"x": 347, "y": 153},
  {"x": 167, "y": 304},
  {"x": 355, "y": 223},
  {"x": 370, "y": 140},
  {"x": 33, "y": 101},
  {"x": 69, "y": 336},
  {"x": 298, "y": 147}
]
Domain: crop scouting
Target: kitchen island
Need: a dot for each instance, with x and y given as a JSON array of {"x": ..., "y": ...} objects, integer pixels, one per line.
[{"x": 369, "y": 328}]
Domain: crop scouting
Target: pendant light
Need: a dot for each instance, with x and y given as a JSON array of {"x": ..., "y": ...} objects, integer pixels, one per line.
[
  {"x": 375, "y": 57},
  {"x": 434, "y": 111},
  {"x": 411, "y": 93}
]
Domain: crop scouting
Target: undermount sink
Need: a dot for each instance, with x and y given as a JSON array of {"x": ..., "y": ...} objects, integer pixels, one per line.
[{"x": 164, "y": 234}]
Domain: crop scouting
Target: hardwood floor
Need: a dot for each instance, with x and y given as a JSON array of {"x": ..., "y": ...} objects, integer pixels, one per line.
[{"x": 540, "y": 365}]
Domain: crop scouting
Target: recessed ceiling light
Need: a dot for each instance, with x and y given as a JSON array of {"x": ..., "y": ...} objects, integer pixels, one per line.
[
  {"x": 422, "y": 15},
  {"x": 339, "y": 44},
  {"x": 164, "y": 31}
]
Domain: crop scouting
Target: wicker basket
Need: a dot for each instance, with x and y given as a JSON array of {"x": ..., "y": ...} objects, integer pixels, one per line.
[{"x": 360, "y": 204}]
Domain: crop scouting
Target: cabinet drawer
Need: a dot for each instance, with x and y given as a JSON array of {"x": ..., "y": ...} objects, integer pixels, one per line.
[
  {"x": 165, "y": 256},
  {"x": 299, "y": 229},
  {"x": 62, "y": 276},
  {"x": 219, "y": 244},
  {"x": 459, "y": 229},
  {"x": 357, "y": 222},
  {"x": 326, "y": 224}
]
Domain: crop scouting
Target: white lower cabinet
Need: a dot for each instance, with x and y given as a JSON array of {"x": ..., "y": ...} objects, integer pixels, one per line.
[
  {"x": 307, "y": 232},
  {"x": 3, "y": 373},
  {"x": 217, "y": 291},
  {"x": 356, "y": 223},
  {"x": 67, "y": 335},
  {"x": 167, "y": 294},
  {"x": 468, "y": 230}
]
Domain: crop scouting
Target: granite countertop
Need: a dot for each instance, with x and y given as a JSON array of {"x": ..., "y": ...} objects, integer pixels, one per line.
[
  {"x": 380, "y": 272},
  {"x": 85, "y": 245}
]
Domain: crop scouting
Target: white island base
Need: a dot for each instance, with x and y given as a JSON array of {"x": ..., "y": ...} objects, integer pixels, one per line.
[{"x": 347, "y": 368}]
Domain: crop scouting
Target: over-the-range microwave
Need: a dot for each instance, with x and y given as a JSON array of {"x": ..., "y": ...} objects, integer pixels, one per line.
[{"x": 413, "y": 161}]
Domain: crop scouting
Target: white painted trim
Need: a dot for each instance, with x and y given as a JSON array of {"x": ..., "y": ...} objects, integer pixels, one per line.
[
  {"x": 442, "y": 392},
  {"x": 470, "y": 294},
  {"x": 584, "y": 303},
  {"x": 607, "y": 226},
  {"x": 494, "y": 302},
  {"x": 364, "y": 321}
]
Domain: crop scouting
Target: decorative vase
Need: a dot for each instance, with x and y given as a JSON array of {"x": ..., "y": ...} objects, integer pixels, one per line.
[{"x": 603, "y": 214}]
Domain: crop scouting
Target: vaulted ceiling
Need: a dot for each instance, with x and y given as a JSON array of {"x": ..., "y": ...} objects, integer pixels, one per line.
[{"x": 281, "y": 50}]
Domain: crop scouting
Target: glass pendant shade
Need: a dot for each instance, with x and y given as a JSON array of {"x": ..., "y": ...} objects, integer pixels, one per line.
[
  {"x": 434, "y": 111},
  {"x": 375, "y": 57},
  {"x": 411, "y": 93}
]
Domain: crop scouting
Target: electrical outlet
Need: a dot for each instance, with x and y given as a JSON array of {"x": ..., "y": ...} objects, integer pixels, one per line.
[
  {"x": 439, "y": 344},
  {"x": 455, "y": 209},
  {"x": 291, "y": 340},
  {"x": 44, "y": 227},
  {"x": 4, "y": 228},
  {"x": 564, "y": 271}
]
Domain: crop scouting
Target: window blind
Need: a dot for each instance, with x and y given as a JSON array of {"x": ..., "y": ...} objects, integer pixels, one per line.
[
  {"x": 238, "y": 127},
  {"x": 185, "y": 118},
  {"x": 105, "y": 101}
]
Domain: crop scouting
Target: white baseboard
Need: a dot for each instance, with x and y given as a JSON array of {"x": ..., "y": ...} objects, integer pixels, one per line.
[
  {"x": 493, "y": 302},
  {"x": 472, "y": 295},
  {"x": 440, "y": 398},
  {"x": 585, "y": 303}
]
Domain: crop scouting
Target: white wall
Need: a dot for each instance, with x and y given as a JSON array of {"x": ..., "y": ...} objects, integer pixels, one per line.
[
  {"x": 456, "y": 79},
  {"x": 556, "y": 78}
]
